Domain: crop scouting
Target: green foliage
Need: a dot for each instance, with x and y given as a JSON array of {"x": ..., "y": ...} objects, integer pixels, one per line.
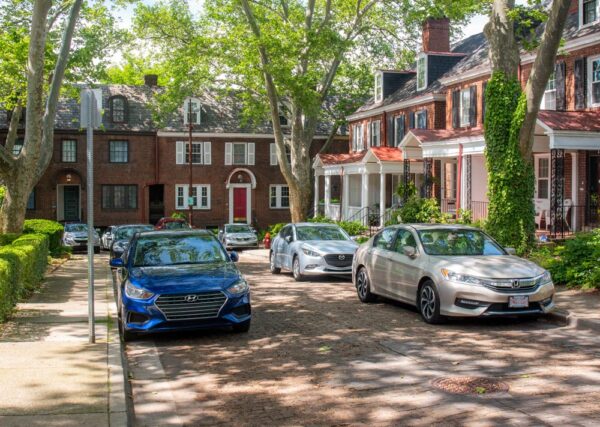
[
  {"x": 52, "y": 229},
  {"x": 353, "y": 228},
  {"x": 421, "y": 210},
  {"x": 22, "y": 266},
  {"x": 8, "y": 238},
  {"x": 2, "y": 192},
  {"x": 178, "y": 215},
  {"x": 405, "y": 192},
  {"x": 464, "y": 216},
  {"x": 362, "y": 239},
  {"x": 276, "y": 228},
  {"x": 510, "y": 176},
  {"x": 576, "y": 263}
]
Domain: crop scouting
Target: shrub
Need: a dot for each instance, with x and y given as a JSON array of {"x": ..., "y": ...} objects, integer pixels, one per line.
[
  {"x": 353, "y": 228},
  {"x": 420, "y": 210},
  {"x": 52, "y": 229},
  {"x": 22, "y": 265},
  {"x": 276, "y": 228},
  {"x": 7, "y": 239},
  {"x": 178, "y": 215}
]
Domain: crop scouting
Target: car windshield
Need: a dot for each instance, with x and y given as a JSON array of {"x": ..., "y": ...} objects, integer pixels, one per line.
[
  {"x": 452, "y": 242},
  {"x": 126, "y": 233},
  {"x": 237, "y": 228},
  {"x": 175, "y": 225},
  {"x": 174, "y": 250},
  {"x": 76, "y": 228},
  {"x": 312, "y": 232}
]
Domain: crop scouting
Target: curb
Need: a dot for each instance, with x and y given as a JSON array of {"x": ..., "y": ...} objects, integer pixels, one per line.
[{"x": 561, "y": 317}]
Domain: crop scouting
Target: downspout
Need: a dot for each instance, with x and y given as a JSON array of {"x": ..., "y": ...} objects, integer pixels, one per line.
[{"x": 459, "y": 177}]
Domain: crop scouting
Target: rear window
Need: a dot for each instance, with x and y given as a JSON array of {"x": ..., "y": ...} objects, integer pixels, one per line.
[
  {"x": 175, "y": 225},
  {"x": 126, "y": 233},
  {"x": 174, "y": 250}
]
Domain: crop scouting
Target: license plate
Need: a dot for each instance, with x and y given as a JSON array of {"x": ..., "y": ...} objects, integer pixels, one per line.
[{"x": 519, "y": 301}]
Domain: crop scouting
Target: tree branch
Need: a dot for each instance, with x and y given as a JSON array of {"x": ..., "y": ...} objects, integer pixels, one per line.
[
  {"x": 13, "y": 128},
  {"x": 330, "y": 137},
  {"x": 52, "y": 19},
  {"x": 541, "y": 71},
  {"x": 7, "y": 161}
]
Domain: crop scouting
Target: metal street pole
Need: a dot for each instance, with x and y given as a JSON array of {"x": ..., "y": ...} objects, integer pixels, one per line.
[
  {"x": 191, "y": 187},
  {"x": 90, "y": 214}
]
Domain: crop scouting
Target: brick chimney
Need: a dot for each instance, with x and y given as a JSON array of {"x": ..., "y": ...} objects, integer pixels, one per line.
[
  {"x": 436, "y": 35},
  {"x": 151, "y": 80}
]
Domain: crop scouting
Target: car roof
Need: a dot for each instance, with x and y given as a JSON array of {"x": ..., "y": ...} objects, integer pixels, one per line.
[
  {"x": 134, "y": 225},
  {"x": 170, "y": 219},
  {"x": 303, "y": 224},
  {"x": 439, "y": 226},
  {"x": 176, "y": 233},
  {"x": 238, "y": 223}
]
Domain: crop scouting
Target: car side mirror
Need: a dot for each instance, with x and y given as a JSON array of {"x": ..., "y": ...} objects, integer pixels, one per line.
[
  {"x": 409, "y": 251},
  {"x": 511, "y": 251},
  {"x": 117, "y": 262},
  {"x": 289, "y": 239},
  {"x": 234, "y": 257}
]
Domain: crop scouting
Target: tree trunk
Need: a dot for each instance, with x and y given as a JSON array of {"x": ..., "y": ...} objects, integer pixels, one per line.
[{"x": 12, "y": 213}]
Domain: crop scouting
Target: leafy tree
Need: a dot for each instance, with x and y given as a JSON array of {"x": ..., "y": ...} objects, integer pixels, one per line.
[
  {"x": 42, "y": 44},
  {"x": 511, "y": 113},
  {"x": 307, "y": 60}
]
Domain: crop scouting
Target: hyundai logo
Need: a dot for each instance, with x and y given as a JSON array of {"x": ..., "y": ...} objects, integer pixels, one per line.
[
  {"x": 516, "y": 284},
  {"x": 191, "y": 298},
  {"x": 341, "y": 257}
]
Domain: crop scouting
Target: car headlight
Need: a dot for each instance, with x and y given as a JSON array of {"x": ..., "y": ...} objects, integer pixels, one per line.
[
  {"x": 461, "y": 278},
  {"x": 308, "y": 252},
  {"x": 69, "y": 239},
  {"x": 239, "y": 287},
  {"x": 136, "y": 293},
  {"x": 546, "y": 278}
]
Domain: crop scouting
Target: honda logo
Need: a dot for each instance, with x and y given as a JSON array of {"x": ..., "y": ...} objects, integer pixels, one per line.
[
  {"x": 516, "y": 284},
  {"x": 341, "y": 257},
  {"x": 191, "y": 298}
]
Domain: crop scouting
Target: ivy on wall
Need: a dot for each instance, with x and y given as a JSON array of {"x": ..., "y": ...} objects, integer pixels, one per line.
[{"x": 511, "y": 217}]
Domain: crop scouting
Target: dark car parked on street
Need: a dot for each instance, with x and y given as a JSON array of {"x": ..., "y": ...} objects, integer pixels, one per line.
[
  {"x": 172, "y": 224},
  {"x": 177, "y": 280},
  {"x": 122, "y": 235}
]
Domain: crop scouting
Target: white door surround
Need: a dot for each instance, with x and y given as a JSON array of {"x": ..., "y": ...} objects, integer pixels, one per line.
[
  {"x": 60, "y": 205},
  {"x": 248, "y": 188}
]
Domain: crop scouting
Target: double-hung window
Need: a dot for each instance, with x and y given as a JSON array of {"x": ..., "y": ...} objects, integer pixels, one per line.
[
  {"x": 201, "y": 153},
  {"x": 119, "y": 197},
  {"x": 398, "y": 129},
  {"x": 543, "y": 177},
  {"x": 273, "y": 154},
  {"x": 192, "y": 109},
  {"x": 378, "y": 87},
  {"x": 422, "y": 72},
  {"x": 549, "y": 98},
  {"x": 119, "y": 151},
  {"x": 594, "y": 80},
  {"x": 279, "y": 197},
  {"x": 239, "y": 153},
  {"x": 421, "y": 117},
  {"x": 199, "y": 196},
  {"x": 68, "y": 151},
  {"x": 17, "y": 147},
  {"x": 465, "y": 107},
  {"x": 375, "y": 133},
  {"x": 358, "y": 143},
  {"x": 588, "y": 12}
]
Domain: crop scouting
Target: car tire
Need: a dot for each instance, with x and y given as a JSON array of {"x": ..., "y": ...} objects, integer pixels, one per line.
[
  {"x": 274, "y": 270},
  {"x": 96, "y": 249},
  {"x": 363, "y": 286},
  {"x": 429, "y": 303},
  {"x": 298, "y": 276},
  {"x": 241, "y": 327},
  {"x": 126, "y": 336}
]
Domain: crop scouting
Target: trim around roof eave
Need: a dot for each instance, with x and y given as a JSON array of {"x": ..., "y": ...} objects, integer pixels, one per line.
[
  {"x": 432, "y": 97},
  {"x": 472, "y": 74},
  {"x": 179, "y": 134}
]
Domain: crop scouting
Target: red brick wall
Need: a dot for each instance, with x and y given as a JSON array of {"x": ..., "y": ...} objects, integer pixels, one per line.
[{"x": 463, "y": 85}]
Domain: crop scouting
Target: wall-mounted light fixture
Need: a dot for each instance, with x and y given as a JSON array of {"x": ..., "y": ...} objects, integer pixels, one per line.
[{"x": 68, "y": 177}]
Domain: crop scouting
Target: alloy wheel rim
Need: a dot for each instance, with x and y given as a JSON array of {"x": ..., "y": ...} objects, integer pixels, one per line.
[
  {"x": 427, "y": 302},
  {"x": 362, "y": 284},
  {"x": 296, "y": 268},
  {"x": 272, "y": 262}
]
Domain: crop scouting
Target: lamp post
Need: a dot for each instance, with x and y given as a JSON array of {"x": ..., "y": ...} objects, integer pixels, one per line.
[{"x": 191, "y": 187}]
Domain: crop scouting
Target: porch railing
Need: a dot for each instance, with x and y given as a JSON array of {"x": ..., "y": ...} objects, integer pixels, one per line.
[
  {"x": 332, "y": 211},
  {"x": 479, "y": 210},
  {"x": 568, "y": 220},
  {"x": 448, "y": 206}
]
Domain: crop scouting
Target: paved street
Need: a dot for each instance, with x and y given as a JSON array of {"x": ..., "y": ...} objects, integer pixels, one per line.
[{"x": 316, "y": 356}]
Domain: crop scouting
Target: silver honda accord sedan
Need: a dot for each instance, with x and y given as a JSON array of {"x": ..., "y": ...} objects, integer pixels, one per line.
[
  {"x": 312, "y": 249},
  {"x": 447, "y": 270}
]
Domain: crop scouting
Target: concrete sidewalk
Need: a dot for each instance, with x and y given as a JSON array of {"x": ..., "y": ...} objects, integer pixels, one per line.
[{"x": 49, "y": 374}]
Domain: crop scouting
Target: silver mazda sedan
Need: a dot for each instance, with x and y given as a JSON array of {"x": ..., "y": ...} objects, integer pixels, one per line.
[
  {"x": 311, "y": 249},
  {"x": 447, "y": 270}
]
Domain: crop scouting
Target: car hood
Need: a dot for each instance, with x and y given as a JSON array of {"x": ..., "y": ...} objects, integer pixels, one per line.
[
  {"x": 76, "y": 234},
  {"x": 241, "y": 235},
  {"x": 332, "y": 246},
  {"x": 494, "y": 267},
  {"x": 185, "y": 278}
]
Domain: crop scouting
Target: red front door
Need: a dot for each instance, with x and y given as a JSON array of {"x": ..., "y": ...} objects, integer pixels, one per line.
[{"x": 240, "y": 213}]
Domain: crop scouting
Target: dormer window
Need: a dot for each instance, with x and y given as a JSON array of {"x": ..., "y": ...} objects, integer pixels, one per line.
[
  {"x": 422, "y": 72},
  {"x": 283, "y": 116},
  {"x": 194, "y": 114},
  {"x": 378, "y": 87},
  {"x": 589, "y": 11},
  {"x": 118, "y": 109}
]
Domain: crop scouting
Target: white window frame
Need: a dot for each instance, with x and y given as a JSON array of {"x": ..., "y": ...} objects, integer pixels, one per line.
[
  {"x": 378, "y": 87},
  {"x": 358, "y": 143},
  {"x": 273, "y": 154},
  {"x": 422, "y": 62},
  {"x": 182, "y": 150},
  {"x": 278, "y": 190},
  {"x": 590, "y": 83},
  {"x": 465, "y": 107},
  {"x": 417, "y": 115},
  {"x": 196, "y": 109},
  {"x": 550, "y": 88},
  {"x": 581, "y": 24},
  {"x": 202, "y": 189},
  {"x": 538, "y": 157},
  {"x": 249, "y": 156},
  {"x": 375, "y": 134}
]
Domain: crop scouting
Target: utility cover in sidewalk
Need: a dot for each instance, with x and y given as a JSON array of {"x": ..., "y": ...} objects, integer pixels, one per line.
[{"x": 469, "y": 385}]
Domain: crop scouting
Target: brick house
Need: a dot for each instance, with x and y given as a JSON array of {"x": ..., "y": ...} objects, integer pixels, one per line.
[
  {"x": 430, "y": 122},
  {"x": 141, "y": 172}
]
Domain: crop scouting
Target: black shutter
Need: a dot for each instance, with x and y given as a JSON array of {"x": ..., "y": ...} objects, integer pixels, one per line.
[
  {"x": 456, "y": 109},
  {"x": 389, "y": 132},
  {"x": 425, "y": 114},
  {"x": 559, "y": 76},
  {"x": 473, "y": 106},
  {"x": 483, "y": 102},
  {"x": 411, "y": 120},
  {"x": 399, "y": 129},
  {"x": 580, "y": 83}
]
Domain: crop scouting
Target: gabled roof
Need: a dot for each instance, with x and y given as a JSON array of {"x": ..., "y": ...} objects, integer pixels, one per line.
[
  {"x": 425, "y": 136},
  {"x": 576, "y": 121},
  {"x": 373, "y": 154},
  {"x": 387, "y": 154},
  {"x": 340, "y": 159}
]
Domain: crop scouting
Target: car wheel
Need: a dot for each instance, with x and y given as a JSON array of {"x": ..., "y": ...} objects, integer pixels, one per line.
[
  {"x": 298, "y": 276},
  {"x": 241, "y": 327},
  {"x": 363, "y": 286},
  {"x": 273, "y": 268},
  {"x": 126, "y": 336},
  {"x": 96, "y": 249},
  {"x": 429, "y": 303}
]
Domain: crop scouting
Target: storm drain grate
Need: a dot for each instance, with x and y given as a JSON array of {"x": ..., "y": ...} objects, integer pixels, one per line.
[{"x": 469, "y": 385}]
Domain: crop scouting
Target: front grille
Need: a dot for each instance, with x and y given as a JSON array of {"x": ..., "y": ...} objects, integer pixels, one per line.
[
  {"x": 335, "y": 261},
  {"x": 196, "y": 306},
  {"x": 524, "y": 285},
  {"x": 503, "y": 307}
]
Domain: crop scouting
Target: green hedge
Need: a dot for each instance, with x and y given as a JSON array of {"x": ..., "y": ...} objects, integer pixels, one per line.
[
  {"x": 52, "y": 229},
  {"x": 22, "y": 266},
  {"x": 8, "y": 238}
]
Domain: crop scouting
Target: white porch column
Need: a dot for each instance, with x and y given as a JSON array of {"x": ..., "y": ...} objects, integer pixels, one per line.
[
  {"x": 382, "y": 198},
  {"x": 345, "y": 195},
  {"x": 327, "y": 195},
  {"x": 364, "y": 195},
  {"x": 574, "y": 193},
  {"x": 316, "y": 201}
]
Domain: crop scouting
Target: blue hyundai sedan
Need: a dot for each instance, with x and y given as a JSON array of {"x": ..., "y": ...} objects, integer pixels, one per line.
[{"x": 177, "y": 280}]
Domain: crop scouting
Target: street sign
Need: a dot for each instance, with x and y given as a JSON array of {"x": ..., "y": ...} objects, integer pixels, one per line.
[
  {"x": 191, "y": 201},
  {"x": 95, "y": 117}
]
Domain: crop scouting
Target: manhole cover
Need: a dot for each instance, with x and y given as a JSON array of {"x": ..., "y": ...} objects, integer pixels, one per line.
[{"x": 469, "y": 385}]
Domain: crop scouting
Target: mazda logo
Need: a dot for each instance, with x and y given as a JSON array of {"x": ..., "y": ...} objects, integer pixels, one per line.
[
  {"x": 516, "y": 284},
  {"x": 341, "y": 257},
  {"x": 191, "y": 298}
]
